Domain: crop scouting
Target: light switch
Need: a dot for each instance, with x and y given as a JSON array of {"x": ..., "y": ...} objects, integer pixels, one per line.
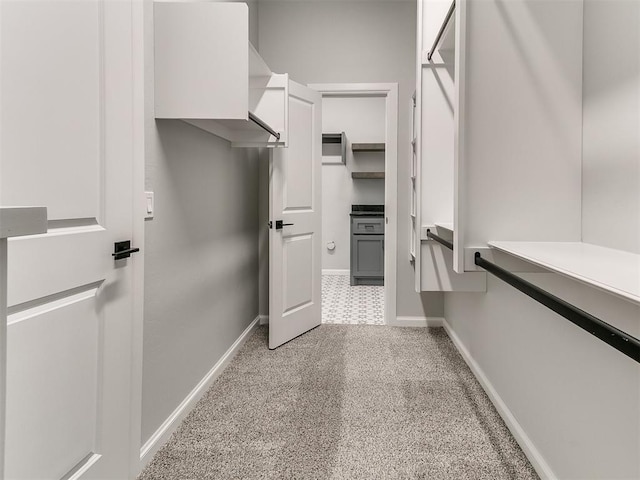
[{"x": 149, "y": 204}]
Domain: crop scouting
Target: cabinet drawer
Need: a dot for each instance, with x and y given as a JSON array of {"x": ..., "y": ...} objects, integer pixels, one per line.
[{"x": 368, "y": 225}]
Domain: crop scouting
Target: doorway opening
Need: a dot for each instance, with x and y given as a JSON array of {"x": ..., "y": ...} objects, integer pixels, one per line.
[{"x": 359, "y": 197}]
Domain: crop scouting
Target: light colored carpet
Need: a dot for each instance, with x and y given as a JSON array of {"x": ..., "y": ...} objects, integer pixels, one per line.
[{"x": 344, "y": 402}]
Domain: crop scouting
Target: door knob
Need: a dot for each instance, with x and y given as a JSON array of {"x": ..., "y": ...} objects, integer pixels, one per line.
[
  {"x": 279, "y": 224},
  {"x": 123, "y": 250}
]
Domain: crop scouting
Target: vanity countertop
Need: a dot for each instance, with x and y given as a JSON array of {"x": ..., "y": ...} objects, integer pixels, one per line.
[
  {"x": 367, "y": 211},
  {"x": 367, "y": 214}
]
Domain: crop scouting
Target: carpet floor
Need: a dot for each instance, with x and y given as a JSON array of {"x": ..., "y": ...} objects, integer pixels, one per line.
[{"x": 344, "y": 402}]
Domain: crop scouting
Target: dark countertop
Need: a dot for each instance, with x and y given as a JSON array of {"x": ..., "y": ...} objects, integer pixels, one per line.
[
  {"x": 367, "y": 214},
  {"x": 367, "y": 211}
]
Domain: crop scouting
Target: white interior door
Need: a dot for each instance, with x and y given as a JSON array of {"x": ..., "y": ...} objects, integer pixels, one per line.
[
  {"x": 295, "y": 304},
  {"x": 67, "y": 144}
]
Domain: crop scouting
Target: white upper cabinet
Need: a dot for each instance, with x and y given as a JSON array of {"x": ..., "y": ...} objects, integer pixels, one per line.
[{"x": 209, "y": 75}]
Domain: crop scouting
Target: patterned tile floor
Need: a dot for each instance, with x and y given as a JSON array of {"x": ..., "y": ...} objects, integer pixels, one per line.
[{"x": 357, "y": 305}]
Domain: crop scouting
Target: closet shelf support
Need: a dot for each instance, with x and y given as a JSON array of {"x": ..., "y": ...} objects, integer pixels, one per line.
[{"x": 609, "y": 334}]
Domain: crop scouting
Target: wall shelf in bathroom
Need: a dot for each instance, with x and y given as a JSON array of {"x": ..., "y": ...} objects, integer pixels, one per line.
[
  {"x": 367, "y": 175},
  {"x": 334, "y": 148},
  {"x": 368, "y": 147}
]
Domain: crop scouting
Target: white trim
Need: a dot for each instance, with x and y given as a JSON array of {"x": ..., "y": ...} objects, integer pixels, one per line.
[
  {"x": 139, "y": 114},
  {"x": 329, "y": 271},
  {"x": 390, "y": 92},
  {"x": 459, "y": 141},
  {"x": 84, "y": 468},
  {"x": 417, "y": 187},
  {"x": 3, "y": 348},
  {"x": 160, "y": 437},
  {"x": 418, "y": 322},
  {"x": 264, "y": 319},
  {"x": 355, "y": 89},
  {"x": 528, "y": 447}
]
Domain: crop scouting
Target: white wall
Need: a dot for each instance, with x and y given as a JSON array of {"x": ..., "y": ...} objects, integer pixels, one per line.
[
  {"x": 201, "y": 252},
  {"x": 611, "y": 121},
  {"x": 363, "y": 120},
  {"x": 577, "y": 399},
  {"x": 353, "y": 41}
]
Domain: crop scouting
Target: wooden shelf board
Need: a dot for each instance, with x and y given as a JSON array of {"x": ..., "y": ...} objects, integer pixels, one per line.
[
  {"x": 613, "y": 271},
  {"x": 367, "y": 175},
  {"x": 368, "y": 147},
  {"x": 332, "y": 138}
]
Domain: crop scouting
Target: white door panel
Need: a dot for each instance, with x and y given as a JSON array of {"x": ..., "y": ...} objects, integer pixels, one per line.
[
  {"x": 34, "y": 273},
  {"x": 66, "y": 141},
  {"x": 299, "y": 174},
  {"x": 51, "y": 107},
  {"x": 52, "y": 423},
  {"x": 297, "y": 278},
  {"x": 294, "y": 251}
]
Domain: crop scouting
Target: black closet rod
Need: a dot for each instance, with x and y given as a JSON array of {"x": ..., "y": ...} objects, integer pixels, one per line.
[
  {"x": 263, "y": 125},
  {"x": 438, "y": 239},
  {"x": 618, "y": 339},
  {"x": 452, "y": 9}
]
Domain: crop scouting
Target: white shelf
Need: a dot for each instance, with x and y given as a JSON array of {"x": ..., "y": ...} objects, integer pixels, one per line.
[
  {"x": 445, "y": 226},
  {"x": 613, "y": 271},
  {"x": 20, "y": 221},
  {"x": 209, "y": 75}
]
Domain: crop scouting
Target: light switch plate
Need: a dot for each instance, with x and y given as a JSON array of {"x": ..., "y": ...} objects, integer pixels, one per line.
[{"x": 149, "y": 205}]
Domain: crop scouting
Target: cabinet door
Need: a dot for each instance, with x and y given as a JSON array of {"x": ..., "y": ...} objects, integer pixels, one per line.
[{"x": 367, "y": 258}]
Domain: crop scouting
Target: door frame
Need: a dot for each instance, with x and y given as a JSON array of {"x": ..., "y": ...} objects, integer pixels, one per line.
[
  {"x": 139, "y": 13},
  {"x": 390, "y": 92}
]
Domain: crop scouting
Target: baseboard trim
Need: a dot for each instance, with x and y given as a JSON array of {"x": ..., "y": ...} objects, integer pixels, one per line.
[
  {"x": 541, "y": 467},
  {"x": 264, "y": 319},
  {"x": 417, "y": 322},
  {"x": 329, "y": 271},
  {"x": 170, "y": 425}
]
